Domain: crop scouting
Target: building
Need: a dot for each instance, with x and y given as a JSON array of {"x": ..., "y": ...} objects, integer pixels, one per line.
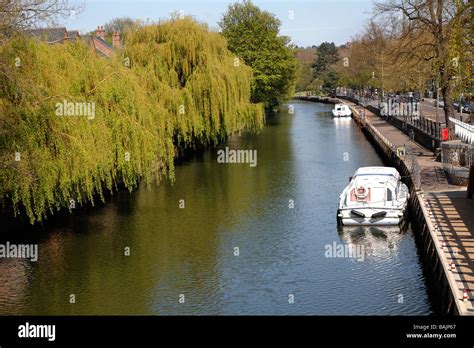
[
  {"x": 97, "y": 41},
  {"x": 49, "y": 35},
  {"x": 100, "y": 44}
]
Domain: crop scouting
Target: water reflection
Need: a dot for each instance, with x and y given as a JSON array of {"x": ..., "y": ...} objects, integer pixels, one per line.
[{"x": 379, "y": 242}]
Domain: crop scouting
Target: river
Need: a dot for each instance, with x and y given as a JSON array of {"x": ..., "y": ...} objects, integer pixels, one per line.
[{"x": 229, "y": 238}]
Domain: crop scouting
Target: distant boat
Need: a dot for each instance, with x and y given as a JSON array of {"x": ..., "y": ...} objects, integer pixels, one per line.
[
  {"x": 341, "y": 110},
  {"x": 374, "y": 196}
]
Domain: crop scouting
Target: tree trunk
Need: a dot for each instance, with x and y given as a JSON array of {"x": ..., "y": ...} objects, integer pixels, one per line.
[{"x": 447, "y": 92}]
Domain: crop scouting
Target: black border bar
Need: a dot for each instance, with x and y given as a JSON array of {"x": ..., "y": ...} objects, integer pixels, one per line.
[{"x": 133, "y": 330}]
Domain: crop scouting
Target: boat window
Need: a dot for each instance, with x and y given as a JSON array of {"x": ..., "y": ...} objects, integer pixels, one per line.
[{"x": 389, "y": 195}]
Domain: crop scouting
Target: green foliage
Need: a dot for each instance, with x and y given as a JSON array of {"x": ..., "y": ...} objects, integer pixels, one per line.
[
  {"x": 137, "y": 123},
  {"x": 304, "y": 77},
  {"x": 253, "y": 35},
  {"x": 327, "y": 55},
  {"x": 461, "y": 52},
  {"x": 305, "y": 58},
  {"x": 331, "y": 79}
]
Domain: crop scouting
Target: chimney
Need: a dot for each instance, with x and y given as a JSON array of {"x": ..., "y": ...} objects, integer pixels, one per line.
[
  {"x": 100, "y": 32},
  {"x": 116, "y": 39}
]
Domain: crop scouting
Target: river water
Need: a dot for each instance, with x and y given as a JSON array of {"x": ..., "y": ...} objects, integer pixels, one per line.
[{"x": 249, "y": 240}]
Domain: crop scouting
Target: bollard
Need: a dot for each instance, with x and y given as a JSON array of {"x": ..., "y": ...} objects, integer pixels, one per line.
[{"x": 465, "y": 296}]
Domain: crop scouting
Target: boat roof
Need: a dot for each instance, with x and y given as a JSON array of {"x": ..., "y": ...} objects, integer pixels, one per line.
[
  {"x": 340, "y": 104},
  {"x": 382, "y": 171}
]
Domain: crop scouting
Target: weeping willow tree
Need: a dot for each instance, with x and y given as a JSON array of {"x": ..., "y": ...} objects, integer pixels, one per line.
[{"x": 174, "y": 85}]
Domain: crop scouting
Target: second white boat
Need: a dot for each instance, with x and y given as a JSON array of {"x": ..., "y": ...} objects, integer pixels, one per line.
[{"x": 341, "y": 110}]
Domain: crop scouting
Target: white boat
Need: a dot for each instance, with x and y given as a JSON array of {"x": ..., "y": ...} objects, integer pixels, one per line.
[
  {"x": 341, "y": 110},
  {"x": 374, "y": 196}
]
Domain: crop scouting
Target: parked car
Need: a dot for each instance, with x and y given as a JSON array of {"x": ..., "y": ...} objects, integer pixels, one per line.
[
  {"x": 463, "y": 107},
  {"x": 470, "y": 107}
]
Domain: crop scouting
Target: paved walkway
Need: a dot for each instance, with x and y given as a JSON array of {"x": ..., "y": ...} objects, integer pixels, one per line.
[{"x": 445, "y": 206}]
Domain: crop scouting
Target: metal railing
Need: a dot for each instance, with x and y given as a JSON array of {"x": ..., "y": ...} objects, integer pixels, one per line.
[{"x": 414, "y": 168}]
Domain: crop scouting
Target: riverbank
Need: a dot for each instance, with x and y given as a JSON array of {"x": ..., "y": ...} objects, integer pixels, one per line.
[
  {"x": 442, "y": 212},
  {"x": 317, "y": 99}
]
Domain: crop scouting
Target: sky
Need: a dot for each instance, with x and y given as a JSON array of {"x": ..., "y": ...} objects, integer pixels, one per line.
[{"x": 306, "y": 22}]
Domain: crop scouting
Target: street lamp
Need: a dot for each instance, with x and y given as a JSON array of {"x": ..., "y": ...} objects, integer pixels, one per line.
[{"x": 382, "y": 78}]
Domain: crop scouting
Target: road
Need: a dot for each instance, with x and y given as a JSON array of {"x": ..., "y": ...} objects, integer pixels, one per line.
[{"x": 429, "y": 110}]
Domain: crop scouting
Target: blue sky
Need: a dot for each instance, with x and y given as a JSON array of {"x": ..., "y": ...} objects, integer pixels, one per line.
[{"x": 313, "y": 22}]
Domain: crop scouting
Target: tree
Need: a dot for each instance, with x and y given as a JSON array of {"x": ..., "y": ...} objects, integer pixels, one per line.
[
  {"x": 18, "y": 15},
  {"x": 426, "y": 29},
  {"x": 327, "y": 55},
  {"x": 356, "y": 66},
  {"x": 304, "y": 77},
  {"x": 253, "y": 35},
  {"x": 305, "y": 58},
  {"x": 179, "y": 91},
  {"x": 120, "y": 24},
  {"x": 330, "y": 80}
]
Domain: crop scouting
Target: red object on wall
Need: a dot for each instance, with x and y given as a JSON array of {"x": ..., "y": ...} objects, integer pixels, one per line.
[{"x": 445, "y": 134}]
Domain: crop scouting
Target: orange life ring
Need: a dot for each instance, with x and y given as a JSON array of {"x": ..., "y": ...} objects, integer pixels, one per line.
[{"x": 361, "y": 192}]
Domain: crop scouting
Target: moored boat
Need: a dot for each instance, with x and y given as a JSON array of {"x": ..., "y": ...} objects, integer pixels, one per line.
[
  {"x": 341, "y": 110},
  {"x": 374, "y": 196}
]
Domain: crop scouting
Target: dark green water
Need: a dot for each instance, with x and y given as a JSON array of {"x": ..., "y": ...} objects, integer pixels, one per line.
[{"x": 306, "y": 157}]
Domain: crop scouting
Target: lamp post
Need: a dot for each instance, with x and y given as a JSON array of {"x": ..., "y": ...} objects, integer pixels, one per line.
[{"x": 382, "y": 78}]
